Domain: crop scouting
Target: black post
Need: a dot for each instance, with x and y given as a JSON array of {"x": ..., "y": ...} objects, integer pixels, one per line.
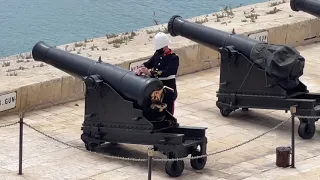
[
  {"x": 150, "y": 155},
  {"x": 293, "y": 111},
  {"x": 21, "y": 115}
]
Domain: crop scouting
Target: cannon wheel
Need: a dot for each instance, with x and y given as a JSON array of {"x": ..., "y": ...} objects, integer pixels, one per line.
[
  {"x": 307, "y": 128},
  {"x": 91, "y": 146},
  {"x": 225, "y": 112},
  {"x": 174, "y": 168},
  {"x": 199, "y": 163}
]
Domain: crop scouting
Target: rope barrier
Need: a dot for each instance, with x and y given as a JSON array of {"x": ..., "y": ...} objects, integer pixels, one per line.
[{"x": 161, "y": 159}]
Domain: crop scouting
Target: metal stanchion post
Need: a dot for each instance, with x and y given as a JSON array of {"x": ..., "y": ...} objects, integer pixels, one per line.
[
  {"x": 293, "y": 110},
  {"x": 150, "y": 156},
  {"x": 21, "y": 115}
]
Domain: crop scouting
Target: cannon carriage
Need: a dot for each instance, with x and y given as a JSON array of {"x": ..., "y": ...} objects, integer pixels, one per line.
[
  {"x": 255, "y": 74},
  {"x": 121, "y": 107}
]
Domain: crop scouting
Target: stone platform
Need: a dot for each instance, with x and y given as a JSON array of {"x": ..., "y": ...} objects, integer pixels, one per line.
[{"x": 47, "y": 159}]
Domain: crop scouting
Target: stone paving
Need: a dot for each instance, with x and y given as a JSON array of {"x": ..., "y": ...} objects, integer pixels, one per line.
[{"x": 44, "y": 158}]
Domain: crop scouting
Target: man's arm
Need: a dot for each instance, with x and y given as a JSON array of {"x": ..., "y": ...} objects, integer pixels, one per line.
[
  {"x": 149, "y": 64},
  {"x": 146, "y": 66}
]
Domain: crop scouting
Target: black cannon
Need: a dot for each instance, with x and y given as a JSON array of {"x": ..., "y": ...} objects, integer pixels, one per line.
[
  {"x": 121, "y": 107},
  {"x": 255, "y": 74},
  {"x": 309, "y": 6}
]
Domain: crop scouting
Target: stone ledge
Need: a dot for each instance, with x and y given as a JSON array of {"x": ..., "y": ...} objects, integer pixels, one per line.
[
  {"x": 60, "y": 87},
  {"x": 47, "y": 93}
]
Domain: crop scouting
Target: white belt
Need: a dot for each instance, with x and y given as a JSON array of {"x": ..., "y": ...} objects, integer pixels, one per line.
[{"x": 167, "y": 78}]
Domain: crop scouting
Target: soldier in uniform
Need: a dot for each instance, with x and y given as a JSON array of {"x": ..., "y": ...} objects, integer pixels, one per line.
[{"x": 163, "y": 65}]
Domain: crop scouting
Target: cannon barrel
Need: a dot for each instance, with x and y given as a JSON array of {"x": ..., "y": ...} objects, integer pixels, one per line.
[
  {"x": 309, "y": 6},
  {"x": 281, "y": 62},
  {"x": 210, "y": 37},
  {"x": 125, "y": 82}
]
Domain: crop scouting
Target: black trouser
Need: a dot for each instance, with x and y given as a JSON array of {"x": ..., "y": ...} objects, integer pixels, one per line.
[{"x": 169, "y": 99}]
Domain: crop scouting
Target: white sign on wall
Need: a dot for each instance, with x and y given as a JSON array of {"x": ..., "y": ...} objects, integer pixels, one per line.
[
  {"x": 8, "y": 101},
  {"x": 260, "y": 36},
  {"x": 133, "y": 66}
]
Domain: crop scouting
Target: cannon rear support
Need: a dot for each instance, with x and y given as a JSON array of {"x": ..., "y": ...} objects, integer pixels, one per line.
[
  {"x": 121, "y": 107},
  {"x": 250, "y": 76},
  {"x": 237, "y": 75},
  {"x": 309, "y": 6}
]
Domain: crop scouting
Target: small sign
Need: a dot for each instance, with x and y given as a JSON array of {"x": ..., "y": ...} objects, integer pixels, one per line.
[
  {"x": 133, "y": 66},
  {"x": 8, "y": 101},
  {"x": 260, "y": 36}
]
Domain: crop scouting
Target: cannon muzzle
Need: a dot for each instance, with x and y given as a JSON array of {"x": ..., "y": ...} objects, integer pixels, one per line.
[
  {"x": 309, "y": 6},
  {"x": 139, "y": 89},
  {"x": 279, "y": 61}
]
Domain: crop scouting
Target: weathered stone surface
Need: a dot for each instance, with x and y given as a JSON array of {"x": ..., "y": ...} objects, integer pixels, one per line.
[{"x": 303, "y": 32}]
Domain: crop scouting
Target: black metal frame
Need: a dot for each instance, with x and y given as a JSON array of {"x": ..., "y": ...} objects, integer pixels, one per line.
[
  {"x": 111, "y": 118},
  {"x": 244, "y": 85}
]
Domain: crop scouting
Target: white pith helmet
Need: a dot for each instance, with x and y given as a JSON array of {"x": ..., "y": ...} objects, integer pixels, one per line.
[{"x": 161, "y": 40}]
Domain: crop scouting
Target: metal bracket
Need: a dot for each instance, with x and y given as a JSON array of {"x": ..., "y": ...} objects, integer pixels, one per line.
[
  {"x": 92, "y": 82},
  {"x": 21, "y": 114},
  {"x": 158, "y": 106},
  {"x": 150, "y": 151},
  {"x": 229, "y": 52},
  {"x": 293, "y": 109},
  {"x": 100, "y": 60},
  {"x": 157, "y": 97},
  {"x": 224, "y": 83}
]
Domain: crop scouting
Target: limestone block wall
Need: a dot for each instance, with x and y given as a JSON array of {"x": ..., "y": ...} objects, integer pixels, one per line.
[
  {"x": 193, "y": 57},
  {"x": 47, "y": 93}
]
